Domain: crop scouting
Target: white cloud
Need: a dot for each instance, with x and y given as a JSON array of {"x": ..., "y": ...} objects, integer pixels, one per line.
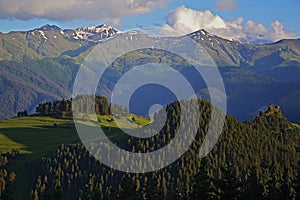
[
  {"x": 76, "y": 9},
  {"x": 226, "y": 4},
  {"x": 185, "y": 20}
]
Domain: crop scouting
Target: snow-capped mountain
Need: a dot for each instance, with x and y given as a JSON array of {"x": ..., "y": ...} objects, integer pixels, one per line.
[
  {"x": 87, "y": 33},
  {"x": 52, "y": 41},
  {"x": 95, "y": 33}
]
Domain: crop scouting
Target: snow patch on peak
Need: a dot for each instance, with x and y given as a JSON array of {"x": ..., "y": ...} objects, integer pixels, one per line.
[
  {"x": 42, "y": 33},
  {"x": 201, "y": 34}
]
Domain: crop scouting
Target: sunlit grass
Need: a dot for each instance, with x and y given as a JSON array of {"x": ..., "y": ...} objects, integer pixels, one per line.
[
  {"x": 7, "y": 145},
  {"x": 40, "y": 135}
]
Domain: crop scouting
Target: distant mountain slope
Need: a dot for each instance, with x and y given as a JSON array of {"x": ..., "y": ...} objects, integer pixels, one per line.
[
  {"x": 25, "y": 84},
  {"x": 50, "y": 41},
  {"x": 248, "y": 92},
  {"x": 41, "y": 65},
  {"x": 280, "y": 60}
]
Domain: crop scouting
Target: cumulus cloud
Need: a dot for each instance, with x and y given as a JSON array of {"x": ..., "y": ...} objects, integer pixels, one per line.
[
  {"x": 185, "y": 20},
  {"x": 76, "y": 9},
  {"x": 226, "y": 4}
]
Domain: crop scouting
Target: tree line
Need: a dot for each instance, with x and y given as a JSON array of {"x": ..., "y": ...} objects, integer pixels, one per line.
[
  {"x": 63, "y": 108},
  {"x": 83, "y": 104}
]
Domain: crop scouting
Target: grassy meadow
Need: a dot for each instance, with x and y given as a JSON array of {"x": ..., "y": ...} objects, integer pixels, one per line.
[{"x": 38, "y": 136}]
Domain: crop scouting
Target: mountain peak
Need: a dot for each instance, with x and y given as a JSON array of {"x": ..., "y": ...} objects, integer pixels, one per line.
[
  {"x": 104, "y": 26},
  {"x": 98, "y": 29},
  {"x": 95, "y": 33},
  {"x": 201, "y": 32},
  {"x": 47, "y": 27},
  {"x": 272, "y": 110}
]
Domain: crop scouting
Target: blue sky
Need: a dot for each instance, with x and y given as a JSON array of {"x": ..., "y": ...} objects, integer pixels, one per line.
[{"x": 18, "y": 15}]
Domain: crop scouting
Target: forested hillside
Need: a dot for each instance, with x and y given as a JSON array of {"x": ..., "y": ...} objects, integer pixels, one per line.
[{"x": 258, "y": 159}]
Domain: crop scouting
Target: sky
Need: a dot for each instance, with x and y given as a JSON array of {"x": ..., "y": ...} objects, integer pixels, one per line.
[{"x": 253, "y": 20}]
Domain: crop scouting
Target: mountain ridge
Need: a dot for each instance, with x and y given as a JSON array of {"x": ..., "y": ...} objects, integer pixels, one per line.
[
  {"x": 52, "y": 41},
  {"x": 108, "y": 26},
  {"x": 256, "y": 71}
]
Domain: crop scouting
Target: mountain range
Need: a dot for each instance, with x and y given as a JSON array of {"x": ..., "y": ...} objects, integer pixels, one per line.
[{"x": 41, "y": 65}]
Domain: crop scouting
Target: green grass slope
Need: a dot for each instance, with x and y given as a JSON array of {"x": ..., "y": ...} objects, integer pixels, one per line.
[{"x": 36, "y": 136}]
